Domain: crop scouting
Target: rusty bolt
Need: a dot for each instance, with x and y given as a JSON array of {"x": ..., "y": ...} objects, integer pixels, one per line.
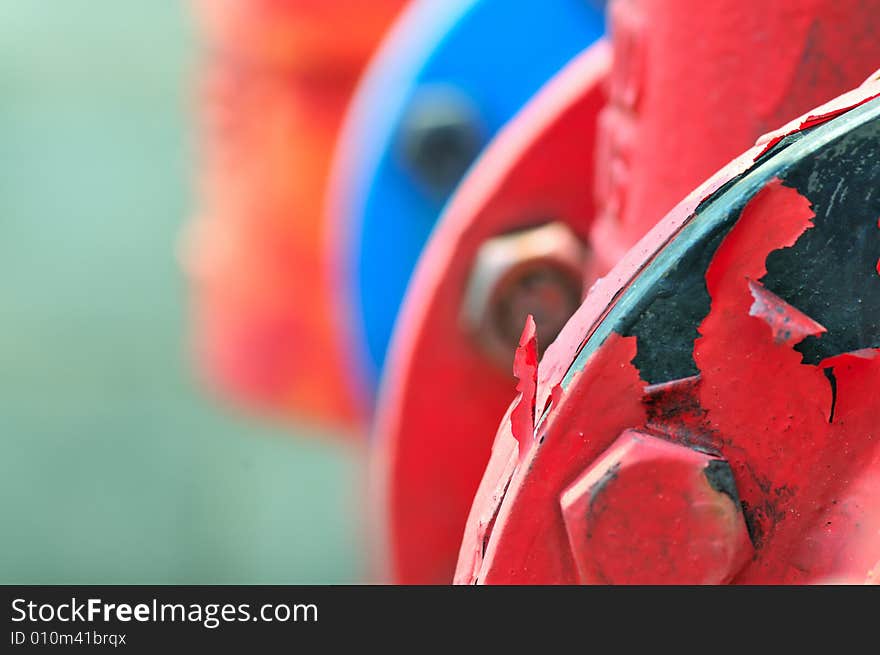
[
  {"x": 650, "y": 511},
  {"x": 535, "y": 271}
]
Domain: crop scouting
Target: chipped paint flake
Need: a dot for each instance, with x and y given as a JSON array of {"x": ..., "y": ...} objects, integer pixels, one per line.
[
  {"x": 788, "y": 324},
  {"x": 834, "y": 108},
  {"x": 525, "y": 368}
]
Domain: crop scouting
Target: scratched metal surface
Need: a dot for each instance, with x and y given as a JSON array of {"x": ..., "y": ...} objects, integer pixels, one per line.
[{"x": 114, "y": 466}]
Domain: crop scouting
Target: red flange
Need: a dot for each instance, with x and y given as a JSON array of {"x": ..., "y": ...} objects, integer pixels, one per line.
[{"x": 444, "y": 388}]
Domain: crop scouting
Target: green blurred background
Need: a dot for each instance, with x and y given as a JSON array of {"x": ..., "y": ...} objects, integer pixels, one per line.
[{"x": 115, "y": 466}]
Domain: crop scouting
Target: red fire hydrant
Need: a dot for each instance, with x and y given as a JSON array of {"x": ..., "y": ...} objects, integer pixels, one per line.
[
  {"x": 706, "y": 416},
  {"x": 692, "y": 85}
]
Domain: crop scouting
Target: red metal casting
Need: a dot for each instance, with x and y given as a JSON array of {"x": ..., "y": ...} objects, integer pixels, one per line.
[
  {"x": 695, "y": 83},
  {"x": 692, "y": 85},
  {"x": 622, "y": 481},
  {"x": 443, "y": 393}
]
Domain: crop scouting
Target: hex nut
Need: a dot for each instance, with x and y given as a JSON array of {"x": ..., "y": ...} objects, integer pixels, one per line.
[
  {"x": 535, "y": 271},
  {"x": 649, "y": 511}
]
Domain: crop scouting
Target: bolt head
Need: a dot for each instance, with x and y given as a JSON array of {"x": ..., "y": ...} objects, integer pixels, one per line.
[
  {"x": 650, "y": 511},
  {"x": 535, "y": 271}
]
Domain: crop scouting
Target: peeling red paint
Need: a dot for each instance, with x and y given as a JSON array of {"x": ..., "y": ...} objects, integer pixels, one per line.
[
  {"x": 735, "y": 352},
  {"x": 802, "y": 441},
  {"x": 788, "y": 324},
  {"x": 839, "y": 105},
  {"x": 612, "y": 388},
  {"x": 788, "y": 459},
  {"x": 556, "y": 395},
  {"x": 846, "y": 528},
  {"x": 864, "y": 353},
  {"x": 525, "y": 368},
  {"x": 804, "y": 482}
]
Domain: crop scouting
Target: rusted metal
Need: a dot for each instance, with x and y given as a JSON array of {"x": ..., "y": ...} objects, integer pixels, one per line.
[{"x": 534, "y": 271}]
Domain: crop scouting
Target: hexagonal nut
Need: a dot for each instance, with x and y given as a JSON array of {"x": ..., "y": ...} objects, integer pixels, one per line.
[
  {"x": 537, "y": 271},
  {"x": 649, "y": 511}
]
